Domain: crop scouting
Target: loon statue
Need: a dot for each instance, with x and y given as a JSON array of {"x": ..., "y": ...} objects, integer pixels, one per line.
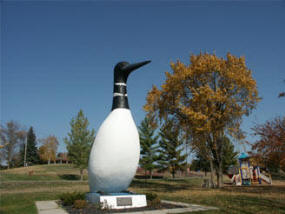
[{"x": 115, "y": 152}]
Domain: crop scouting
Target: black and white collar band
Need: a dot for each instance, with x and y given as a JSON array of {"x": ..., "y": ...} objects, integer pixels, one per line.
[
  {"x": 120, "y": 84},
  {"x": 120, "y": 96}
]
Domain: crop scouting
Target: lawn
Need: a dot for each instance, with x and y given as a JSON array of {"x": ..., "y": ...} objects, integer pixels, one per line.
[
  {"x": 18, "y": 196},
  {"x": 42, "y": 173}
]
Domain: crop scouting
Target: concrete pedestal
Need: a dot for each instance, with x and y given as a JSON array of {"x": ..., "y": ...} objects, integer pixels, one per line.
[{"x": 117, "y": 200}]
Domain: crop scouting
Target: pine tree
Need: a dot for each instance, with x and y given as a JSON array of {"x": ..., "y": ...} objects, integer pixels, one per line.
[
  {"x": 149, "y": 147},
  {"x": 22, "y": 153},
  {"x": 230, "y": 156},
  {"x": 32, "y": 155},
  {"x": 79, "y": 142},
  {"x": 200, "y": 163},
  {"x": 171, "y": 148}
]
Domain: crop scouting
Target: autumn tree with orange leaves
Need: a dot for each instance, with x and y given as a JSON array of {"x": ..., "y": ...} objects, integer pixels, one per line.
[
  {"x": 48, "y": 149},
  {"x": 269, "y": 149},
  {"x": 207, "y": 99}
]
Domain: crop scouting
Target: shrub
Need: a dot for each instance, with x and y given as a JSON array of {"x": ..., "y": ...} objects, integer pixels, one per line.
[
  {"x": 79, "y": 204},
  {"x": 155, "y": 203},
  {"x": 151, "y": 196},
  {"x": 69, "y": 198},
  {"x": 153, "y": 200}
]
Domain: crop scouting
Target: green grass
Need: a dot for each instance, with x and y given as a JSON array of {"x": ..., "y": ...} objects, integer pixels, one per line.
[
  {"x": 19, "y": 191},
  {"x": 236, "y": 200},
  {"x": 42, "y": 173},
  {"x": 24, "y": 177},
  {"x": 23, "y": 203}
]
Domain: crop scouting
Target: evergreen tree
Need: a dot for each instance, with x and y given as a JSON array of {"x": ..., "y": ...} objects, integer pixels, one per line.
[
  {"x": 79, "y": 142},
  {"x": 32, "y": 155},
  {"x": 22, "y": 153},
  {"x": 200, "y": 163},
  {"x": 149, "y": 147},
  {"x": 171, "y": 148},
  {"x": 229, "y": 158}
]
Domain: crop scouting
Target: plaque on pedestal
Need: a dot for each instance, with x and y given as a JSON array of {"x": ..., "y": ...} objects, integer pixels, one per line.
[{"x": 117, "y": 200}]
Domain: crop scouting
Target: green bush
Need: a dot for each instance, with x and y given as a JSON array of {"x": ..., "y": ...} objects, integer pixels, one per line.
[
  {"x": 153, "y": 200},
  {"x": 151, "y": 196},
  {"x": 155, "y": 203},
  {"x": 69, "y": 198}
]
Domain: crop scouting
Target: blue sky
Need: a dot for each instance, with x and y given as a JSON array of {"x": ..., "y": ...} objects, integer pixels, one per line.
[{"x": 58, "y": 56}]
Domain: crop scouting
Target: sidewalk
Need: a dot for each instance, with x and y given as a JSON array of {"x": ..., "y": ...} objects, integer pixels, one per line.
[{"x": 51, "y": 207}]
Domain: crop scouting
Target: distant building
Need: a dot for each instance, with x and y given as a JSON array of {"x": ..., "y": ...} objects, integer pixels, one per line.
[{"x": 62, "y": 158}]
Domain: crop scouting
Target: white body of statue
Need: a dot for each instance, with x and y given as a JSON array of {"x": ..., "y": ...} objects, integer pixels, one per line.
[{"x": 114, "y": 157}]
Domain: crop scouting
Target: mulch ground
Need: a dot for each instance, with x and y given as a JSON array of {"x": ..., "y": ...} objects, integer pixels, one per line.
[{"x": 91, "y": 209}]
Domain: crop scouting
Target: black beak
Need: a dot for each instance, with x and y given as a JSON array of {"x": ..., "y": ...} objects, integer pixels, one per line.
[{"x": 131, "y": 67}]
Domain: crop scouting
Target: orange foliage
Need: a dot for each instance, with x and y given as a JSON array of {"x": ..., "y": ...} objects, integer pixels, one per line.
[
  {"x": 207, "y": 99},
  {"x": 49, "y": 148},
  {"x": 270, "y": 148},
  {"x": 210, "y": 94}
]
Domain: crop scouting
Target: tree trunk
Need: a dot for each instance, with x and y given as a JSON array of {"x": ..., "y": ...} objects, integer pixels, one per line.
[
  {"x": 48, "y": 161},
  {"x": 81, "y": 174},
  {"x": 212, "y": 173},
  {"x": 205, "y": 173},
  {"x": 150, "y": 174},
  {"x": 220, "y": 174},
  {"x": 219, "y": 153}
]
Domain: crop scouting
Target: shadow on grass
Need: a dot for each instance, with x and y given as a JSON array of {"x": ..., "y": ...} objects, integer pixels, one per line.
[
  {"x": 70, "y": 177},
  {"x": 256, "y": 204},
  {"x": 163, "y": 185},
  {"x": 147, "y": 177},
  {"x": 255, "y": 189},
  {"x": 277, "y": 176}
]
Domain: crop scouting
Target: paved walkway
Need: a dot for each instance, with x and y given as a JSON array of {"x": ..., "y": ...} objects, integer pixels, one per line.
[{"x": 51, "y": 207}]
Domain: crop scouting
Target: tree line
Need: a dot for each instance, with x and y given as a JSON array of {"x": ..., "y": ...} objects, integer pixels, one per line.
[
  {"x": 207, "y": 101},
  {"x": 19, "y": 147},
  {"x": 200, "y": 105},
  {"x": 164, "y": 149}
]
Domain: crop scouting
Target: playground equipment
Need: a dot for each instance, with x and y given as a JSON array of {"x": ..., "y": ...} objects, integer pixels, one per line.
[{"x": 248, "y": 174}]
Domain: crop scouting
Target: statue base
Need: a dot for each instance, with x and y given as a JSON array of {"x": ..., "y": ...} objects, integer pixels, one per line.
[{"x": 117, "y": 200}]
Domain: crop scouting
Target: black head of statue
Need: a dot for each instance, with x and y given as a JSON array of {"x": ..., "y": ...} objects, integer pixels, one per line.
[{"x": 123, "y": 69}]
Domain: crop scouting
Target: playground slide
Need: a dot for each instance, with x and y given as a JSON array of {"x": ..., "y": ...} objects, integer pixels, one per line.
[
  {"x": 232, "y": 178},
  {"x": 265, "y": 178},
  {"x": 236, "y": 180}
]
